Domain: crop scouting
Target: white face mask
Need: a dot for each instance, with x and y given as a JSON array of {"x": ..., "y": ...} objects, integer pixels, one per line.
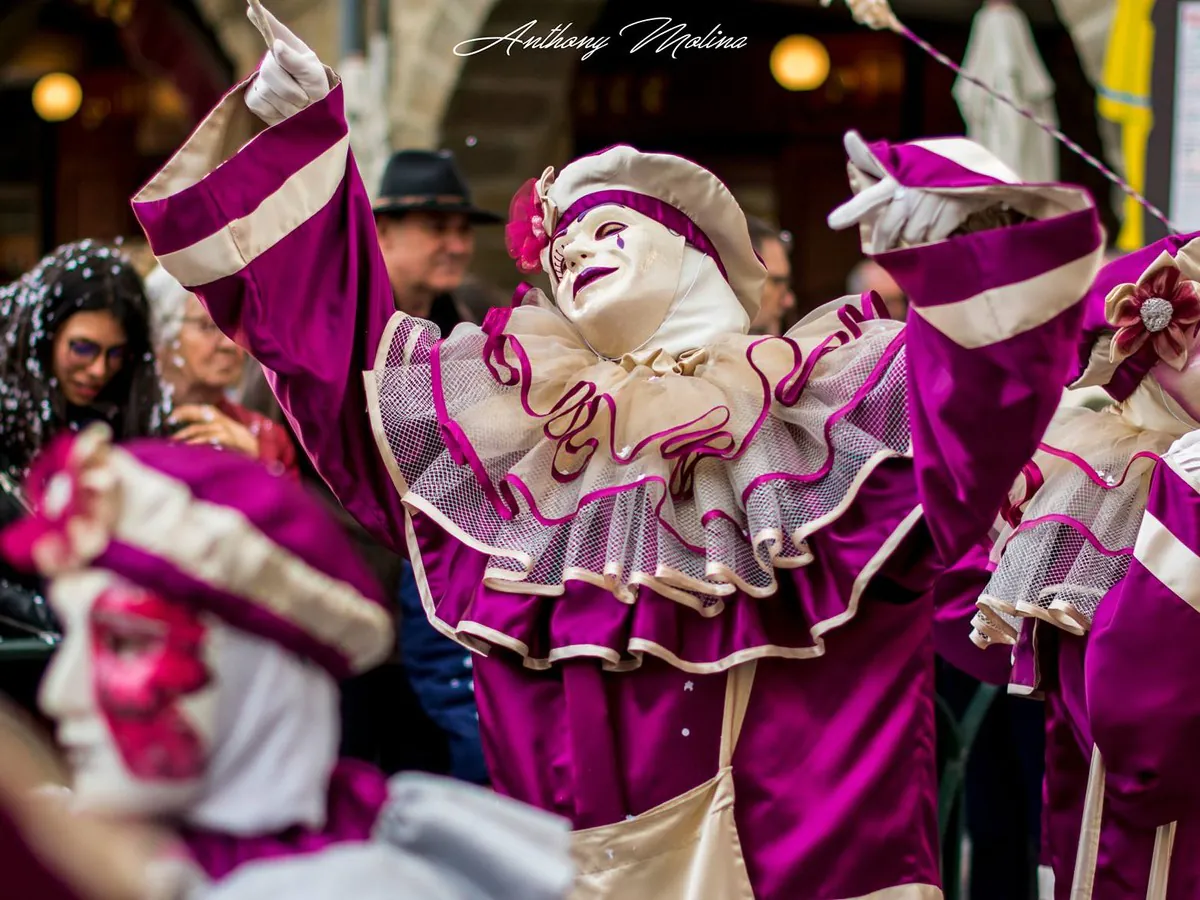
[
  {"x": 133, "y": 693},
  {"x": 616, "y": 274}
]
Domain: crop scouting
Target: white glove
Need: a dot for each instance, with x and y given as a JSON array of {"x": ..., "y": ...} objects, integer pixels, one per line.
[
  {"x": 893, "y": 214},
  {"x": 1185, "y": 452},
  {"x": 290, "y": 77}
]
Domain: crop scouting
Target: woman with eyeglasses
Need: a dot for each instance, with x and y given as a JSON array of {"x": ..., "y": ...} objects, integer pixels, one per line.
[
  {"x": 200, "y": 367},
  {"x": 77, "y": 349}
]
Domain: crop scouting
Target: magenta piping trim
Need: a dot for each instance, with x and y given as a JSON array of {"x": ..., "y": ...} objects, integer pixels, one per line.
[
  {"x": 867, "y": 386},
  {"x": 602, "y": 494},
  {"x": 686, "y": 448},
  {"x": 1075, "y": 525},
  {"x": 457, "y": 443},
  {"x": 582, "y": 412},
  {"x": 518, "y": 296},
  {"x": 1034, "y": 479},
  {"x": 1090, "y": 471},
  {"x": 502, "y": 495}
]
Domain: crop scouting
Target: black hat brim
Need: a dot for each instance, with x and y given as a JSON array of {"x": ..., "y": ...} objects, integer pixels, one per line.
[{"x": 473, "y": 213}]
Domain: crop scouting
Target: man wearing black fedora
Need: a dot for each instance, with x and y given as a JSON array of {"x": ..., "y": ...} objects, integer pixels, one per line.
[
  {"x": 424, "y": 218},
  {"x": 421, "y": 713}
]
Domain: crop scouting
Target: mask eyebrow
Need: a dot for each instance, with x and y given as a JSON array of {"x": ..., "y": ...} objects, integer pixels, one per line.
[{"x": 577, "y": 224}]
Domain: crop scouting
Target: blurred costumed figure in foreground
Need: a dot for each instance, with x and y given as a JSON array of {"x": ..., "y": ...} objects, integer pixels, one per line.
[{"x": 210, "y": 608}]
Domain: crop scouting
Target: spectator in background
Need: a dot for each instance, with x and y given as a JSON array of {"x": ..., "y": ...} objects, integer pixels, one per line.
[
  {"x": 477, "y": 297},
  {"x": 424, "y": 219},
  {"x": 419, "y": 711},
  {"x": 868, "y": 275},
  {"x": 777, "y": 298},
  {"x": 77, "y": 349},
  {"x": 201, "y": 366}
]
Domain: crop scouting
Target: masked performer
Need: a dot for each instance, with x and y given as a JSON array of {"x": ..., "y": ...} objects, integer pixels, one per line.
[
  {"x": 1095, "y": 585},
  {"x": 210, "y": 608},
  {"x": 696, "y": 562}
]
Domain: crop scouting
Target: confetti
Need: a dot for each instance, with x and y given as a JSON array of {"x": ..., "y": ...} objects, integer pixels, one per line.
[{"x": 70, "y": 280}]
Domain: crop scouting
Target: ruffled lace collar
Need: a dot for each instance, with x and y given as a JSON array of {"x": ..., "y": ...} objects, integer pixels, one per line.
[{"x": 694, "y": 476}]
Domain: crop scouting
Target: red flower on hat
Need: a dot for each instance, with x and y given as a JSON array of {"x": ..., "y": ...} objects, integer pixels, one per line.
[
  {"x": 531, "y": 219},
  {"x": 525, "y": 235},
  {"x": 73, "y": 494},
  {"x": 1162, "y": 308}
]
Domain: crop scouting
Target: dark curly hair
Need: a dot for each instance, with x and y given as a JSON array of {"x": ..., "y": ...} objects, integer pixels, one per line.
[{"x": 81, "y": 277}]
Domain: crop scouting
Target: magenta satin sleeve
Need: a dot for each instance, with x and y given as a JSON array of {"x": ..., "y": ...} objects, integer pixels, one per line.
[
  {"x": 1143, "y": 682},
  {"x": 954, "y": 596},
  {"x": 277, "y": 238},
  {"x": 992, "y": 330}
]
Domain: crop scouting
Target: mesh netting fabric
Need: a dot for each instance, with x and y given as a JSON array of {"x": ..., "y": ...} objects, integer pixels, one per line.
[
  {"x": 1076, "y": 535},
  {"x": 695, "y": 477}
]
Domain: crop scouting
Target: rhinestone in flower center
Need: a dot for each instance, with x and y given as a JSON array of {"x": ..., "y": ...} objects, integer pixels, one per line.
[{"x": 1156, "y": 313}]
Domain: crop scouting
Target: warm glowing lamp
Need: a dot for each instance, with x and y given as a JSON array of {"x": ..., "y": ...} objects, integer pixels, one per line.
[
  {"x": 800, "y": 63},
  {"x": 57, "y": 96}
]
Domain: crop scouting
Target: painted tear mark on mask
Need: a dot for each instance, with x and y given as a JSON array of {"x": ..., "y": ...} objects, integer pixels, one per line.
[{"x": 148, "y": 655}]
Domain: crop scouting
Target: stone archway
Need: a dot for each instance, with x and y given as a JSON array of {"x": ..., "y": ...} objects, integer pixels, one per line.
[
  {"x": 508, "y": 117},
  {"x": 425, "y": 68},
  {"x": 514, "y": 107}
]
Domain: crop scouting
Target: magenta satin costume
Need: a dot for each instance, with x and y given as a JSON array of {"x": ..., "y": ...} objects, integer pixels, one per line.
[
  {"x": 1115, "y": 534},
  {"x": 1120, "y": 690},
  {"x": 601, "y": 709}
]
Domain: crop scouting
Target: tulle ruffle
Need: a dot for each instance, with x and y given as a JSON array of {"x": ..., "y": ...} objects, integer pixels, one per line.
[
  {"x": 587, "y": 621},
  {"x": 694, "y": 478},
  {"x": 1074, "y": 538}
]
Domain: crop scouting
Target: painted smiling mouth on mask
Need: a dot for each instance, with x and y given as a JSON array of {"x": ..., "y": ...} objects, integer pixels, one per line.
[{"x": 587, "y": 276}]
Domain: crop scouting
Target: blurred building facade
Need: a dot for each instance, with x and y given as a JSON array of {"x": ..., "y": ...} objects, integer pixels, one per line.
[
  {"x": 94, "y": 96},
  {"x": 150, "y": 68}
]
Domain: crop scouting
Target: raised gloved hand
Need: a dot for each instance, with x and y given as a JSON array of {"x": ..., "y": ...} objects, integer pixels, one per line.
[
  {"x": 895, "y": 215},
  {"x": 1185, "y": 453},
  {"x": 291, "y": 76}
]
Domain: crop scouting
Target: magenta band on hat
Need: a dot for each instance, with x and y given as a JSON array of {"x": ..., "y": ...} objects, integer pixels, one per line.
[{"x": 662, "y": 212}]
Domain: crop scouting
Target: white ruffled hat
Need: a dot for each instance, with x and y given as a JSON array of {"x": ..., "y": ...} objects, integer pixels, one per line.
[{"x": 683, "y": 196}]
